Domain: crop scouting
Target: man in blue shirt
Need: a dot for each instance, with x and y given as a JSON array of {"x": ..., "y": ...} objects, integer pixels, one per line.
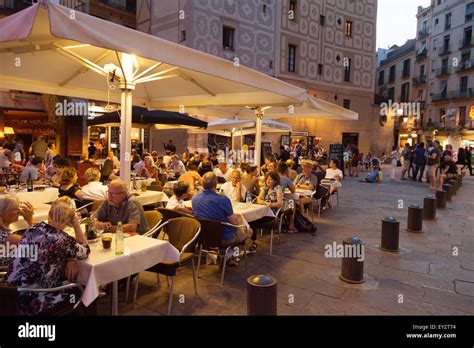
[{"x": 211, "y": 205}]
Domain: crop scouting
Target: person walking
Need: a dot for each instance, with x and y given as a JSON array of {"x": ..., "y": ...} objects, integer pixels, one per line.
[
  {"x": 461, "y": 162},
  {"x": 395, "y": 158},
  {"x": 468, "y": 159},
  {"x": 406, "y": 155},
  {"x": 420, "y": 161}
]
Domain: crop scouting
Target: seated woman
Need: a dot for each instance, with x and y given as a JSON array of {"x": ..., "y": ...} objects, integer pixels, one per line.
[
  {"x": 192, "y": 178},
  {"x": 272, "y": 196},
  {"x": 10, "y": 210},
  {"x": 54, "y": 249},
  {"x": 374, "y": 176},
  {"x": 181, "y": 192},
  {"x": 250, "y": 178},
  {"x": 449, "y": 170},
  {"x": 68, "y": 184},
  {"x": 149, "y": 169}
]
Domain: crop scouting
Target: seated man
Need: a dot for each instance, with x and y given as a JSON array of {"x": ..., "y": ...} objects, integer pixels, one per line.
[
  {"x": 234, "y": 189},
  {"x": 181, "y": 192},
  {"x": 449, "y": 171},
  {"x": 211, "y": 205},
  {"x": 94, "y": 190},
  {"x": 306, "y": 181},
  {"x": 222, "y": 171},
  {"x": 334, "y": 173},
  {"x": 120, "y": 207},
  {"x": 191, "y": 177},
  {"x": 31, "y": 170}
]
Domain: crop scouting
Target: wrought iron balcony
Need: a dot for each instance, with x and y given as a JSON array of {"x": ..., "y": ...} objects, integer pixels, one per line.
[
  {"x": 423, "y": 33},
  {"x": 444, "y": 50},
  {"x": 419, "y": 80},
  {"x": 465, "y": 65}
]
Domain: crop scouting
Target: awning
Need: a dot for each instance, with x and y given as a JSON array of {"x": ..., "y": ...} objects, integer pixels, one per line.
[
  {"x": 243, "y": 127},
  {"x": 48, "y": 48},
  {"x": 142, "y": 116}
]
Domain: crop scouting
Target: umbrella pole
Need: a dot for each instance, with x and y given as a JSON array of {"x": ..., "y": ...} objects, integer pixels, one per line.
[
  {"x": 127, "y": 87},
  {"x": 125, "y": 135},
  {"x": 258, "y": 135}
]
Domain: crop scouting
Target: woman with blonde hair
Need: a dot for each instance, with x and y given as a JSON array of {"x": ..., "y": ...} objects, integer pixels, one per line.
[
  {"x": 54, "y": 249},
  {"x": 10, "y": 210},
  {"x": 68, "y": 184},
  {"x": 149, "y": 169}
]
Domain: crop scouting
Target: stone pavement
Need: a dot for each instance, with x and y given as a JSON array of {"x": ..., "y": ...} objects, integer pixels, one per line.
[{"x": 424, "y": 278}]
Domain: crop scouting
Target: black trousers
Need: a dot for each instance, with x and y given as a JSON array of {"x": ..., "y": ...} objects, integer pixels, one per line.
[{"x": 419, "y": 167}]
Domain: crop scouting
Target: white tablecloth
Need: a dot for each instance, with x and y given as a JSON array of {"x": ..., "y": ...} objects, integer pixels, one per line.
[
  {"x": 298, "y": 193},
  {"x": 40, "y": 196},
  {"x": 150, "y": 197},
  {"x": 250, "y": 212},
  {"x": 103, "y": 266}
]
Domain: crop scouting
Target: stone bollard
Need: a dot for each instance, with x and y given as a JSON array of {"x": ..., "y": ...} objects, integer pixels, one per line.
[
  {"x": 415, "y": 219},
  {"x": 449, "y": 192},
  {"x": 352, "y": 268},
  {"x": 441, "y": 199},
  {"x": 429, "y": 208},
  {"x": 390, "y": 234},
  {"x": 261, "y": 295},
  {"x": 454, "y": 184}
]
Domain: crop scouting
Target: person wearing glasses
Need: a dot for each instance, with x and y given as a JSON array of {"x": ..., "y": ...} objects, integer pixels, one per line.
[
  {"x": 120, "y": 207},
  {"x": 234, "y": 188}
]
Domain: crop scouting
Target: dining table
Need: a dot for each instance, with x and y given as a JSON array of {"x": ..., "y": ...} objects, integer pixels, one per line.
[{"x": 103, "y": 266}]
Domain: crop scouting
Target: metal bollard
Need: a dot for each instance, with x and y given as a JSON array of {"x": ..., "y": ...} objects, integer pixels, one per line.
[
  {"x": 441, "y": 199},
  {"x": 415, "y": 219},
  {"x": 429, "y": 208},
  {"x": 454, "y": 184},
  {"x": 390, "y": 234},
  {"x": 449, "y": 192},
  {"x": 261, "y": 295},
  {"x": 352, "y": 268}
]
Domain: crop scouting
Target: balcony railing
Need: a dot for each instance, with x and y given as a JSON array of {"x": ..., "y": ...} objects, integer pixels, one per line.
[
  {"x": 465, "y": 65},
  {"x": 419, "y": 80},
  {"x": 466, "y": 123},
  {"x": 453, "y": 95},
  {"x": 379, "y": 99},
  {"x": 423, "y": 33},
  {"x": 75, "y": 5},
  {"x": 442, "y": 71},
  {"x": 122, "y": 5},
  {"x": 466, "y": 43},
  {"x": 421, "y": 56},
  {"x": 444, "y": 50}
]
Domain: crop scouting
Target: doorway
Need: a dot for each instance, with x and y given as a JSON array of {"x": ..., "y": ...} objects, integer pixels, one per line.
[{"x": 350, "y": 138}]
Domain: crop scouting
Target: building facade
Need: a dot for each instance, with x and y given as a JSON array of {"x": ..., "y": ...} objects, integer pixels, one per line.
[
  {"x": 451, "y": 79},
  {"x": 324, "y": 46},
  {"x": 396, "y": 77}
]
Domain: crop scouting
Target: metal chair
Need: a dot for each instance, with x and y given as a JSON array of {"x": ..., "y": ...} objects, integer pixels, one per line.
[
  {"x": 211, "y": 239},
  {"x": 154, "y": 220},
  {"x": 286, "y": 210},
  {"x": 183, "y": 234},
  {"x": 9, "y": 297}
]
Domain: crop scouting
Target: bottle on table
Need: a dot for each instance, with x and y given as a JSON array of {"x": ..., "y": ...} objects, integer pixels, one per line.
[
  {"x": 248, "y": 198},
  {"x": 119, "y": 239},
  {"x": 29, "y": 183}
]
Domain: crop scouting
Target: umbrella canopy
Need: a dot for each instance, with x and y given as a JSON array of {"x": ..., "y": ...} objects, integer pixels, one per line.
[
  {"x": 48, "y": 48},
  {"x": 311, "y": 108},
  {"x": 243, "y": 127},
  {"x": 142, "y": 116}
]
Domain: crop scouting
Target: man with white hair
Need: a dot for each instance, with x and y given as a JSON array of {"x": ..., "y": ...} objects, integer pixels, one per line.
[
  {"x": 234, "y": 188},
  {"x": 94, "y": 190},
  {"x": 120, "y": 207}
]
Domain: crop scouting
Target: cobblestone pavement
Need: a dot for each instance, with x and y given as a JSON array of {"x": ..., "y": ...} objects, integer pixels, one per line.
[{"x": 427, "y": 276}]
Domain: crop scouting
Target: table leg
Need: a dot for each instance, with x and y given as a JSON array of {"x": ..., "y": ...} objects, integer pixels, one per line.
[{"x": 115, "y": 298}]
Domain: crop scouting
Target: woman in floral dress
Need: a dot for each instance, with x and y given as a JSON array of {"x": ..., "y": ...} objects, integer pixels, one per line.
[{"x": 54, "y": 248}]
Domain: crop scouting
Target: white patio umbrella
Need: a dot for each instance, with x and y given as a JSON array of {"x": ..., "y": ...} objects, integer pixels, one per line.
[
  {"x": 311, "y": 108},
  {"x": 48, "y": 48}
]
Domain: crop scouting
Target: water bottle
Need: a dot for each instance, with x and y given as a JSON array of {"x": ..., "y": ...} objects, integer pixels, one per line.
[
  {"x": 119, "y": 239},
  {"x": 248, "y": 198},
  {"x": 29, "y": 183}
]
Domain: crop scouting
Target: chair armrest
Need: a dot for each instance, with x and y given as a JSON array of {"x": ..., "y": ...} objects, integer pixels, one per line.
[
  {"x": 56, "y": 289},
  {"x": 155, "y": 229},
  {"x": 84, "y": 206},
  {"x": 232, "y": 225}
]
